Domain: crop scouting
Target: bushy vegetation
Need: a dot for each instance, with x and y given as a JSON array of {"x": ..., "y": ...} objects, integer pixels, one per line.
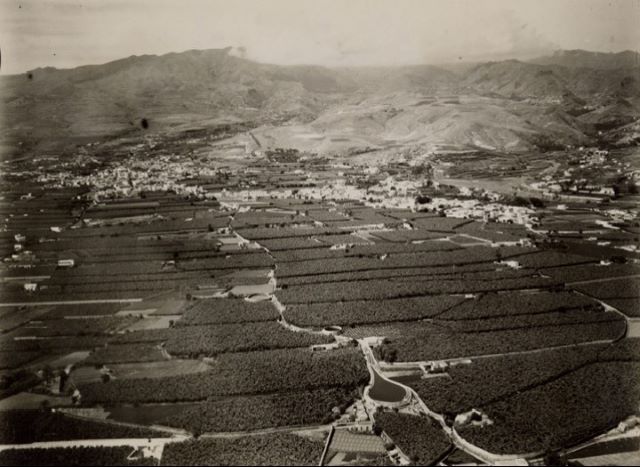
[
  {"x": 412, "y": 274},
  {"x": 362, "y": 312},
  {"x": 551, "y": 258},
  {"x": 71, "y": 456},
  {"x": 284, "y": 244},
  {"x": 264, "y": 411},
  {"x": 240, "y": 373},
  {"x": 194, "y": 341},
  {"x": 623, "y": 350},
  {"x": 77, "y": 327},
  {"x": 53, "y": 344},
  {"x": 142, "y": 336},
  {"x": 263, "y": 233},
  {"x": 491, "y": 379},
  {"x": 496, "y": 305},
  {"x": 565, "y": 411},
  {"x": 256, "y": 260},
  {"x": 555, "y": 318},
  {"x": 432, "y": 342},
  {"x": 12, "y": 360},
  {"x": 622, "y": 293},
  {"x": 83, "y": 310},
  {"x": 221, "y": 311},
  {"x": 125, "y": 353},
  {"x": 429, "y": 258},
  {"x": 30, "y": 426},
  {"x": 420, "y": 438},
  {"x": 396, "y": 288},
  {"x": 274, "y": 449},
  {"x": 585, "y": 272}
]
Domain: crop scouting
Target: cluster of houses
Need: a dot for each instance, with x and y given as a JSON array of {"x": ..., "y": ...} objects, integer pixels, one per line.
[{"x": 571, "y": 184}]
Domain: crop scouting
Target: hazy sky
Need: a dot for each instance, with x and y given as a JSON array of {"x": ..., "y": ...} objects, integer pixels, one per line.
[{"x": 67, "y": 33}]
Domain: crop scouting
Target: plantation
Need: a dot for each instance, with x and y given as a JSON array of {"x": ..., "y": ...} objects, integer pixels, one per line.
[
  {"x": 496, "y": 305},
  {"x": 402, "y": 236},
  {"x": 363, "y": 312},
  {"x": 125, "y": 353},
  {"x": 262, "y": 233},
  {"x": 29, "y": 426},
  {"x": 284, "y": 244},
  {"x": 12, "y": 360},
  {"x": 432, "y": 342},
  {"x": 147, "y": 335},
  {"x": 624, "y": 350},
  {"x": 222, "y": 311},
  {"x": 556, "y": 318},
  {"x": 565, "y": 411},
  {"x": 274, "y": 449},
  {"x": 285, "y": 256},
  {"x": 83, "y": 310},
  {"x": 491, "y": 379},
  {"x": 193, "y": 341},
  {"x": 586, "y": 272},
  {"x": 420, "y": 438},
  {"x": 551, "y": 258},
  {"x": 53, "y": 344},
  {"x": 240, "y": 373},
  {"x": 378, "y": 289},
  {"x": 75, "y": 327},
  {"x": 264, "y": 411},
  {"x": 439, "y": 224},
  {"x": 231, "y": 262},
  {"x": 412, "y": 274},
  {"x": 429, "y": 258},
  {"x": 71, "y": 456},
  {"x": 622, "y": 293}
]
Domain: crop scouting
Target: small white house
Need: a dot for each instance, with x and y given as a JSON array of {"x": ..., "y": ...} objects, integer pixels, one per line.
[
  {"x": 30, "y": 286},
  {"x": 66, "y": 263}
]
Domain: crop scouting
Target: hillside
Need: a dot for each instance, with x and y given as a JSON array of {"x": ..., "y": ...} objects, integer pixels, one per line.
[
  {"x": 507, "y": 106},
  {"x": 594, "y": 60}
]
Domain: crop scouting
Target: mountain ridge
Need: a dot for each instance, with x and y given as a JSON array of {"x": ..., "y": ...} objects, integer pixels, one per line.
[{"x": 507, "y": 105}]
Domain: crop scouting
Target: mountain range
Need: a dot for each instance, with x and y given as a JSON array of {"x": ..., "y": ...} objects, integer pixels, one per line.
[{"x": 569, "y": 97}]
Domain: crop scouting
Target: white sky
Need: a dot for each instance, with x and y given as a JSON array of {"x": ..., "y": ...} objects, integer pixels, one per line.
[{"x": 67, "y": 33}]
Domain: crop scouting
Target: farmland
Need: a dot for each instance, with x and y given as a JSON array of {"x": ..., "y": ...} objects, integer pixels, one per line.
[
  {"x": 239, "y": 305},
  {"x": 432, "y": 342},
  {"x": 21, "y": 426},
  {"x": 212, "y": 340},
  {"x": 420, "y": 438},
  {"x": 227, "y": 311},
  {"x": 536, "y": 420},
  {"x": 240, "y": 373},
  {"x": 248, "y": 413},
  {"x": 71, "y": 456},
  {"x": 469, "y": 387},
  {"x": 362, "y": 312},
  {"x": 277, "y": 449}
]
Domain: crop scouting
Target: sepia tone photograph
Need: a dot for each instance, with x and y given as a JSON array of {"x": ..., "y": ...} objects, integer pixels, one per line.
[{"x": 320, "y": 232}]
